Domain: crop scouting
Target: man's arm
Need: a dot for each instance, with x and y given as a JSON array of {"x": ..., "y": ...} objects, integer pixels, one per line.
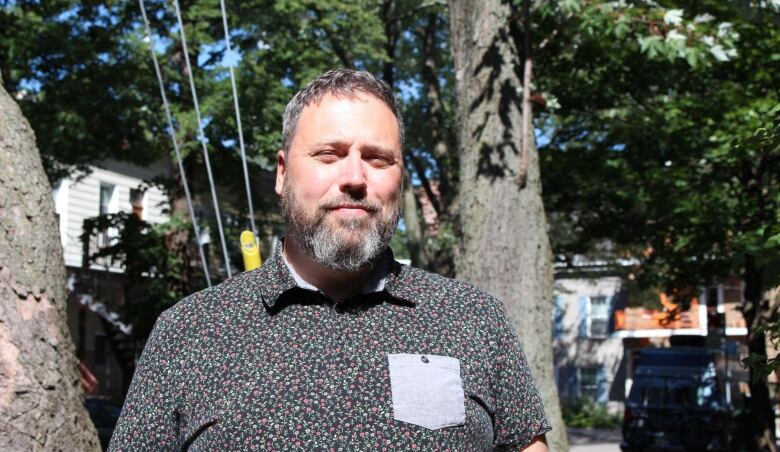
[
  {"x": 520, "y": 420},
  {"x": 148, "y": 420},
  {"x": 539, "y": 444}
]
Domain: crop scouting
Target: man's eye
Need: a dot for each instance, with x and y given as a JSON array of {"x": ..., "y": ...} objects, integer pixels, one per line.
[
  {"x": 379, "y": 160},
  {"x": 327, "y": 155}
]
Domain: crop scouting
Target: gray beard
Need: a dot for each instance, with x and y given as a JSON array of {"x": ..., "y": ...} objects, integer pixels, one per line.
[{"x": 332, "y": 249}]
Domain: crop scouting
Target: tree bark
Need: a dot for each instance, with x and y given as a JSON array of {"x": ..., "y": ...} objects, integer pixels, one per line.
[
  {"x": 415, "y": 235},
  {"x": 505, "y": 249},
  {"x": 755, "y": 309},
  {"x": 41, "y": 400}
]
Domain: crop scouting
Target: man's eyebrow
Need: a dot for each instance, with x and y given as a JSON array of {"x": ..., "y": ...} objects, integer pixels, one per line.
[
  {"x": 333, "y": 144},
  {"x": 379, "y": 148},
  {"x": 343, "y": 144}
]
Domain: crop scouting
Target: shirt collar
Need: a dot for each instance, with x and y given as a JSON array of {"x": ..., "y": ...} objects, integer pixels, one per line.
[
  {"x": 374, "y": 284},
  {"x": 276, "y": 278}
]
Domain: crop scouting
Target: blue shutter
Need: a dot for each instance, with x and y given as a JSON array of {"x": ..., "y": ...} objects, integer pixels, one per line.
[
  {"x": 603, "y": 389},
  {"x": 562, "y": 381},
  {"x": 558, "y": 312},
  {"x": 573, "y": 382},
  {"x": 582, "y": 317}
]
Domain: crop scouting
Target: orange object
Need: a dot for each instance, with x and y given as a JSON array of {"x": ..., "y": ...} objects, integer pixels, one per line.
[
  {"x": 670, "y": 317},
  {"x": 89, "y": 381}
]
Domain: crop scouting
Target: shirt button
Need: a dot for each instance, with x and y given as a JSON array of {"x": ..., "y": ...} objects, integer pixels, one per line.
[{"x": 424, "y": 359}]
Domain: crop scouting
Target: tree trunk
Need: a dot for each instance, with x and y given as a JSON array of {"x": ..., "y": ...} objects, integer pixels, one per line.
[
  {"x": 755, "y": 309},
  {"x": 415, "y": 235},
  {"x": 41, "y": 401},
  {"x": 505, "y": 249}
]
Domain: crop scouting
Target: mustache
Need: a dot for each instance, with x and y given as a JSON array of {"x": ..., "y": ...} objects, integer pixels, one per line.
[{"x": 370, "y": 206}]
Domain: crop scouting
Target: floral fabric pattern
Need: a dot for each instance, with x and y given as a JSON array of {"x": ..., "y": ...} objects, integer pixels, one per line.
[{"x": 258, "y": 363}]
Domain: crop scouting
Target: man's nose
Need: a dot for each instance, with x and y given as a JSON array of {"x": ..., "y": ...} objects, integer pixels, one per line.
[{"x": 353, "y": 174}]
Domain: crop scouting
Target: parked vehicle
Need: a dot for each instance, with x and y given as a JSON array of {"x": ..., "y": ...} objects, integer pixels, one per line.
[{"x": 682, "y": 400}]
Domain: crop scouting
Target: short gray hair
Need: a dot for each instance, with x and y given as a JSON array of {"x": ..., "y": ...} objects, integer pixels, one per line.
[{"x": 339, "y": 82}]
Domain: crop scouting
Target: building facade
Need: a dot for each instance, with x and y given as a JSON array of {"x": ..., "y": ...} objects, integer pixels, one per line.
[
  {"x": 597, "y": 334},
  {"x": 586, "y": 353},
  {"x": 95, "y": 289}
]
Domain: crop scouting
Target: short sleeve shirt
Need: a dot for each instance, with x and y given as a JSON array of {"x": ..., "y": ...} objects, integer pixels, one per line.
[{"x": 259, "y": 363}]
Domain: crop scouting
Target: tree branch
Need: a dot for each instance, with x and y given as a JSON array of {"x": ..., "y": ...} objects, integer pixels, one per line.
[
  {"x": 419, "y": 169},
  {"x": 341, "y": 52},
  {"x": 441, "y": 145},
  {"x": 411, "y": 12}
]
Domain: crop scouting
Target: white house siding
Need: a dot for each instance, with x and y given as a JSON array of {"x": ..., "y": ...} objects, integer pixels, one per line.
[
  {"x": 82, "y": 201},
  {"x": 61, "y": 190},
  {"x": 576, "y": 350}
]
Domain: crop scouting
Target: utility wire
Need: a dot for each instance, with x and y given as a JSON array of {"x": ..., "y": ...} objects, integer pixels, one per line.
[
  {"x": 175, "y": 142},
  {"x": 202, "y": 138},
  {"x": 238, "y": 120}
]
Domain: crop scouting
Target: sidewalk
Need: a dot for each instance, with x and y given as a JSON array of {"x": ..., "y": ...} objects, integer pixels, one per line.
[{"x": 593, "y": 440}]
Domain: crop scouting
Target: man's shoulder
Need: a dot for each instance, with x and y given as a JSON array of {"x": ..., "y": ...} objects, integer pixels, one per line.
[
  {"x": 221, "y": 299},
  {"x": 434, "y": 284}
]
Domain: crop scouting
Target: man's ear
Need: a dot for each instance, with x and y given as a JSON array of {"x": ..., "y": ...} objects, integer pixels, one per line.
[{"x": 281, "y": 170}]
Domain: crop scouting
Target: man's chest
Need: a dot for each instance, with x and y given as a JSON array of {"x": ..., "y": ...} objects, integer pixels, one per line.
[{"x": 312, "y": 378}]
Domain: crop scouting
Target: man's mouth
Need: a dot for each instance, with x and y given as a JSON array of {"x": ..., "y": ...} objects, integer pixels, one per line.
[{"x": 351, "y": 208}]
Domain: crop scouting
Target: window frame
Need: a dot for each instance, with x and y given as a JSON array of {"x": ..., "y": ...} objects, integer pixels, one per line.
[{"x": 590, "y": 317}]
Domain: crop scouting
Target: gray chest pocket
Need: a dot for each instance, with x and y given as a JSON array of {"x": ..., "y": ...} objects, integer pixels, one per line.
[{"x": 427, "y": 390}]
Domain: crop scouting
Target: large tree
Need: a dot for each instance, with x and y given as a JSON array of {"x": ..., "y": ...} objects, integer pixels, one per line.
[
  {"x": 41, "y": 400},
  {"x": 505, "y": 248}
]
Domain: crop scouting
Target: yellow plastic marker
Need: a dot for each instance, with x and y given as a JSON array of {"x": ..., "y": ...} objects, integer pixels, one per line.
[{"x": 250, "y": 251}]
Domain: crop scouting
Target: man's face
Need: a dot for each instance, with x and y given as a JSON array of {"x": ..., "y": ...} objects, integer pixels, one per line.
[{"x": 341, "y": 182}]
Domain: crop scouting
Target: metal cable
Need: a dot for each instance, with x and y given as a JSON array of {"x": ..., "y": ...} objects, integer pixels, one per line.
[
  {"x": 172, "y": 133},
  {"x": 202, "y": 138},
  {"x": 238, "y": 120}
]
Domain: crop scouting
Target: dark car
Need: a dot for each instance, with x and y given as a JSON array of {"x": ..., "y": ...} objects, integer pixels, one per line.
[
  {"x": 104, "y": 415},
  {"x": 680, "y": 400}
]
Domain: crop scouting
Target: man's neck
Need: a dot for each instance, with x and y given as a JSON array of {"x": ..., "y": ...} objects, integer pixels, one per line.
[{"x": 336, "y": 284}]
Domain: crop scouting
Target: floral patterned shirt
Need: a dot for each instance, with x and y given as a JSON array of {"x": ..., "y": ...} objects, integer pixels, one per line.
[{"x": 259, "y": 363}]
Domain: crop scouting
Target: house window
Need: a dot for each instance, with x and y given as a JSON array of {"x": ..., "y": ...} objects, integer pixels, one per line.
[
  {"x": 589, "y": 383},
  {"x": 107, "y": 204},
  {"x": 599, "y": 317},
  {"x": 106, "y": 198},
  {"x": 594, "y": 317},
  {"x": 567, "y": 381}
]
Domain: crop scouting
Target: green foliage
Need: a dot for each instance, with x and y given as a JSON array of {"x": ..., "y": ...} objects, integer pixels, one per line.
[
  {"x": 83, "y": 76},
  {"x": 585, "y": 413},
  {"x": 399, "y": 246},
  {"x": 643, "y": 103},
  {"x": 660, "y": 32},
  {"x": 75, "y": 70},
  {"x": 155, "y": 278},
  {"x": 82, "y": 73},
  {"x": 641, "y": 152},
  {"x": 645, "y": 297},
  {"x": 762, "y": 365}
]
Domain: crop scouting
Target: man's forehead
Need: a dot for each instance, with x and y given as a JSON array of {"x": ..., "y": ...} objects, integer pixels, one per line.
[
  {"x": 331, "y": 118},
  {"x": 343, "y": 94},
  {"x": 355, "y": 96}
]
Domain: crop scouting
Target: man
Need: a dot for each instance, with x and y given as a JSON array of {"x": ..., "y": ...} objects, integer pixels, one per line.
[{"x": 331, "y": 344}]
